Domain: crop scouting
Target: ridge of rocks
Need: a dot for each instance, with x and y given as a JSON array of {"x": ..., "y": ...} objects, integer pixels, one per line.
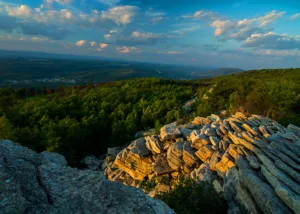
[{"x": 253, "y": 160}]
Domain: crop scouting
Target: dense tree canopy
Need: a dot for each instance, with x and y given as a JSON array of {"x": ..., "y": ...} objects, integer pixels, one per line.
[
  {"x": 81, "y": 120},
  {"x": 273, "y": 93}
]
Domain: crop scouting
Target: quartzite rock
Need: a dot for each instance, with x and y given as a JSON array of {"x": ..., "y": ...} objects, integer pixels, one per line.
[
  {"x": 201, "y": 121},
  {"x": 174, "y": 155},
  {"x": 154, "y": 144},
  {"x": 91, "y": 162},
  {"x": 203, "y": 173},
  {"x": 130, "y": 162},
  {"x": 169, "y": 132},
  {"x": 134, "y": 160},
  {"x": 68, "y": 190},
  {"x": 214, "y": 160},
  {"x": 204, "y": 153},
  {"x": 189, "y": 156},
  {"x": 263, "y": 194},
  {"x": 267, "y": 154},
  {"x": 198, "y": 140}
]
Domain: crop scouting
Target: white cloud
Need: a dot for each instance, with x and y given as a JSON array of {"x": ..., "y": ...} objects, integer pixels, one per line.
[
  {"x": 272, "y": 40},
  {"x": 38, "y": 39},
  {"x": 137, "y": 34},
  {"x": 246, "y": 32},
  {"x": 277, "y": 52},
  {"x": 121, "y": 14},
  {"x": 113, "y": 31},
  {"x": 66, "y": 13},
  {"x": 155, "y": 17},
  {"x": 171, "y": 52},
  {"x": 245, "y": 22},
  {"x": 222, "y": 26},
  {"x": 154, "y": 14},
  {"x": 126, "y": 49},
  {"x": 93, "y": 43},
  {"x": 63, "y": 2},
  {"x": 107, "y": 36},
  {"x": 103, "y": 45},
  {"x": 183, "y": 28},
  {"x": 269, "y": 17},
  {"x": 295, "y": 16},
  {"x": 56, "y": 16},
  {"x": 242, "y": 29},
  {"x": 263, "y": 20},
  {"x": 80, "y": 43},
  {"x": 22, "y": 11},
  {"x": 109, "y": 2},
  {"x": 202, "y": 15},
  {"x": 155, "y": 20},
  {"x": 141, "y": 38}
]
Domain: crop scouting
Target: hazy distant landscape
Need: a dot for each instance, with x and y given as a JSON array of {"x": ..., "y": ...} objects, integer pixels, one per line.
[{"x": 21, "y": 69}]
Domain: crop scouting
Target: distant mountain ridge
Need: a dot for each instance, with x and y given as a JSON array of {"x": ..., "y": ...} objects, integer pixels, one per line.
[{"x": 21, "y": 68}]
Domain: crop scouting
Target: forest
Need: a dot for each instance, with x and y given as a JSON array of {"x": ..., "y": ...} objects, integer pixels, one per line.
[{"x": 87, "y": 119}]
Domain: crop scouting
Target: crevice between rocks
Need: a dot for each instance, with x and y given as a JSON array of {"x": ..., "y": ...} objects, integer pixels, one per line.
[{"x": 50, "y": 201}]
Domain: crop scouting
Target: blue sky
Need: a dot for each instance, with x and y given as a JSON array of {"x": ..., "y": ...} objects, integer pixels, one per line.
[{"x": 250, "y": 34}]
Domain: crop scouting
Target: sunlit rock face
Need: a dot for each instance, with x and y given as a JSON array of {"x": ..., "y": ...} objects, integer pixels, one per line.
[
  {"x": 43, "y": 183},
  {"x": 253, "y": 160}
]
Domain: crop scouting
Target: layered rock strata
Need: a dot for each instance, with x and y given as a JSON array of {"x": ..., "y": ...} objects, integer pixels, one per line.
[{"x": 253, "y": 160}]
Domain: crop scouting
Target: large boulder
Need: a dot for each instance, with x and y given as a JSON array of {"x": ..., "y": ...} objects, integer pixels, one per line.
[
  {"x": 201, "y": 121},
  {"x": 30, "y": 184},
  {"x": 235, "y": 193},
  {"x": 198, "y": 140},
  {"x": 204, "y": 153},
  {"x": 53, "y": 158},
  {"x": 188, "y": 155},
  {"x": 263, "y": 194},
  {"x": 174, "y": 156},
  {"x": 135, "y": 160},
  {"x": 12, "y": 200},
  {"x": 91, "y": 162},
  {"x": 169, "y": 132},
  {"x": 154, "y": 144},
  {"x": 203, "y": 173}
]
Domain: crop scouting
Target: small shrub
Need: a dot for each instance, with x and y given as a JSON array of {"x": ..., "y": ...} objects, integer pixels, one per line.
[
  {"x": 148, "y": 185},
  {"x": 132, "y": 165},
  {"x": 190, "y": 197}
]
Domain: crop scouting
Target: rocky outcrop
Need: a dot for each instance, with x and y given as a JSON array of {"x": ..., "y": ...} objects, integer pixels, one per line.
[
  {"x": 135, "y": 160},
  {"x": 154, "y": 144},
  {"x": 43, "y": 183},
  {"x": 253, "y": 160},
  {"x": 169, "y": 132}
]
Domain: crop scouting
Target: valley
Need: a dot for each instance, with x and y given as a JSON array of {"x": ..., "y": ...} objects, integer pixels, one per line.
[{"x": 20, "y": 71}]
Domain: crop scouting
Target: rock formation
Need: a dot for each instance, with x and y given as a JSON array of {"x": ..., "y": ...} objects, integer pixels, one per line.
[
  {"x": 43, "y": 183},
  {"x": 253, "y": 160}
]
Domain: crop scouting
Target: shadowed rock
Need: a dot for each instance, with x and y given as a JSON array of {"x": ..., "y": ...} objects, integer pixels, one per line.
[{"x": 41, "y": 183}]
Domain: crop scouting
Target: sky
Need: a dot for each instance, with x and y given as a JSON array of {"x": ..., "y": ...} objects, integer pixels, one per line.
[{"x": 249, "y": 34}]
